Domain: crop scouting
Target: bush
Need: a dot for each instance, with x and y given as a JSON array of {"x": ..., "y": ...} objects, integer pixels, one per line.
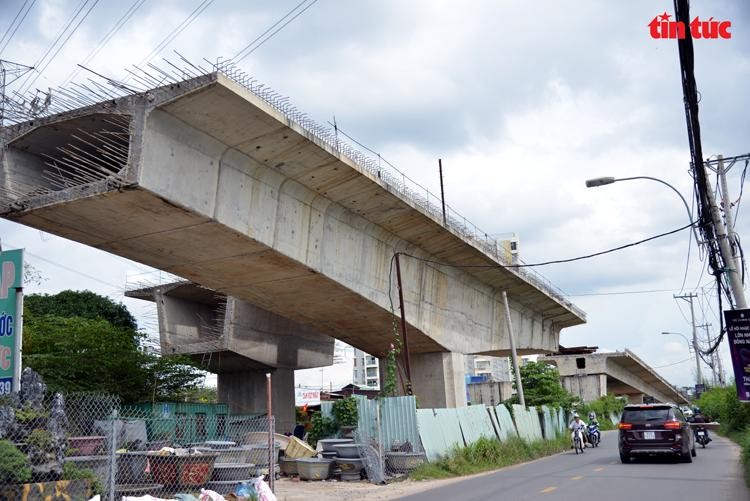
[
  {"x": 603, "y": 407},
  {"x": 723, "y": 405},
  {"x": 73, "y": 472},
  {"x": 14, "y": 467},
  {"x": 345, "y": 412},
  {"x": 322, "y": 427}
]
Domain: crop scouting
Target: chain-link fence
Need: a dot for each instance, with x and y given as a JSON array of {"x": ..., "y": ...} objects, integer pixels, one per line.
[
  {"x": 82, "y": 445},
  {"x": 388, "y": 439}
]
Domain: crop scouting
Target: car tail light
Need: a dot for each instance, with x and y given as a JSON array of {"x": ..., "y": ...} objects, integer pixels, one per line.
[
  {"x": 673, "y": 425},
  {"x": 625, "y": 426}
]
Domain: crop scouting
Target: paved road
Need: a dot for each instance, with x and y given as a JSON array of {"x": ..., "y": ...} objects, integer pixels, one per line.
[{"x": 714, "y": 475}]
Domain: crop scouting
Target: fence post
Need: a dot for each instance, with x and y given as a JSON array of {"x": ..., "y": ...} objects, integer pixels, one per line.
[
  {"x": 112, "y": 480},
  {"x": 380, "y": 435},
  {"x": 271, "y": 462}
]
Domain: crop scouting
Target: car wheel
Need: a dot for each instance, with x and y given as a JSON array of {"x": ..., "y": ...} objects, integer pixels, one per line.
[
  {"x": 692, "y": 451},
  {"x": 625, "y": 458},
  {"x": 687, "y": 457}
]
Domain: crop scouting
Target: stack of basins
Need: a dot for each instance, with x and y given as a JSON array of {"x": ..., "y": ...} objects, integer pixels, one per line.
[
  {"x": 233, "y": 466},
  {"x": 319, "y": 468},
  {"x": 349, "y": 462}
]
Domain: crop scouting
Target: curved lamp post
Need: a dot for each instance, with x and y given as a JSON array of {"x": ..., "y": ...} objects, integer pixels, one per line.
[{"x": 601, "y": 181}]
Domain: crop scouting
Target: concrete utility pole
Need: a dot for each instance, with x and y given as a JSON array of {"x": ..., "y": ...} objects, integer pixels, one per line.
[
  {"x": 513, "y": 354},
  {"x": 696, "y": 347},
  {"x": 732, "y": 272},
  {"x": 714, "y": 357}
]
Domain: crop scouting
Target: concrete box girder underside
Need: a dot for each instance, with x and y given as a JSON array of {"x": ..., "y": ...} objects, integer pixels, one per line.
[{"x": 224, "y": 191}]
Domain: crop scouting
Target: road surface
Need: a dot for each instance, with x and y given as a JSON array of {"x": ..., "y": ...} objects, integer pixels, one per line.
[{"x": 715, "y": 474}]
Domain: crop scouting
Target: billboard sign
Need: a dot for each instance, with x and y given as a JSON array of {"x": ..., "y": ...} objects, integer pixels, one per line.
[
  {"x": 306, "y": 397},
  {"x": 11, "y": 279},
  {"x": 738, "y": 334}
]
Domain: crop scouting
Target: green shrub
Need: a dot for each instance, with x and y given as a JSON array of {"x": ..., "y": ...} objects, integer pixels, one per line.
[
  {"x": 73, "y": 472},
  {"x": 345, "y": 412},
  {"x": 41, "y": 439},
  {"x": 14, "y": 466},
  {"x": 321, "y": 427},
  {"x": 603, "y": 407}
]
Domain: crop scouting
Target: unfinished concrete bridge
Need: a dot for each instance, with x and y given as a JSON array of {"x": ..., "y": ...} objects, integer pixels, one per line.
[{"x": 210, "y": 181}]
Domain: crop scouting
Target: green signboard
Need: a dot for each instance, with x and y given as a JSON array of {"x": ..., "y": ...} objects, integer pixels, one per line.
[{"x": 11, "y": 279}]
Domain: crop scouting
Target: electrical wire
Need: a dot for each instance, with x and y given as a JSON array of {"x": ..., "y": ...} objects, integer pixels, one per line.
[
  {"x": 7, "y": 41},
  {"x": 111, "y": 33},
  {"x": 236, "y": 59},
  {"x": 674, "y": 363},
  {"x": 556, "y": 261},
  {"x": 45, "y": 60},
  {"x": 205, "y": 4}
]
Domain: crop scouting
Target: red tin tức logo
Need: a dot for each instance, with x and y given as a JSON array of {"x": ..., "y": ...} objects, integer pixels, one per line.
[{"x": 662, "y": 27}]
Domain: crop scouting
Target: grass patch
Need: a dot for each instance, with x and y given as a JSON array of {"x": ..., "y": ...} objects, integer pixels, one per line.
[{"x": 489, "y": 454}]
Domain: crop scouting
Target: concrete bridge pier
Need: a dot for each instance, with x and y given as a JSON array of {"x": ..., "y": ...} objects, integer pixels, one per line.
[
  {"x": 437, "y": 378},
  {"x": 245, "y": 391},
  {"x": 241, "y": 343}
]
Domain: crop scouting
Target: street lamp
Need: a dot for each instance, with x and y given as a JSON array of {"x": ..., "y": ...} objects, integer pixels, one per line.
[
  {"x": 695, "y": 350},
  {"x": 601, "y": 181}
]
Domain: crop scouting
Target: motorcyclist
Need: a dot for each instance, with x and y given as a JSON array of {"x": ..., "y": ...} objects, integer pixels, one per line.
[
  {"x": 699, "y": 418},
  {"x": 592, "y": 421},
  {"x": 576, "y": 425}
]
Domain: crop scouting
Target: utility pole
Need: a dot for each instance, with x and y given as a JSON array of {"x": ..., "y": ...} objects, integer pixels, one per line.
[
  {"x": 696, "y": 348},
  {"x": 514, "y": 355},
  {"x": 712, "y": 365},
  {"x": 9, "y": 73},
  {"x": 732, "y": 271}
]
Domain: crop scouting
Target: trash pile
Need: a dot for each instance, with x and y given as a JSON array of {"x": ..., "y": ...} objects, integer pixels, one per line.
[{"x": 254, "y": 490}]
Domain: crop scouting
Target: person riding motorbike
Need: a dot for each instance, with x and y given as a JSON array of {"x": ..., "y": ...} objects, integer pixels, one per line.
[
  {"x": 592, "y": 422},
  {"x": 699, "y": 418},
  {"x": 578, "y": 425}
]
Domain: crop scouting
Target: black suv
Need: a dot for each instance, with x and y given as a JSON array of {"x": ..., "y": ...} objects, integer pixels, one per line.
[{"x": 655, "y": 429}]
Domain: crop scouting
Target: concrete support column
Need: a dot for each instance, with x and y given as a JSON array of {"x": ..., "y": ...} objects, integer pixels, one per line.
[
  {"x": 586, "y": 387},
  {"x": 245, "y": 392},
  {"x": 635, "y": 398},
  {"x": 438, "y": 379}
]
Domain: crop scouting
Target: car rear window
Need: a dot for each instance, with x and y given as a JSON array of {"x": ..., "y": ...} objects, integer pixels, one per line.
[{"x": 646, "y": 414}]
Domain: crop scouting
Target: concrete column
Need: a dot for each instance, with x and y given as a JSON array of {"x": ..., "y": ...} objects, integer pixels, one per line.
[
  {"x": 245, "y": 392},
  {"x": 438, "y": 379},
  {"x": 586, "y": 387},
  {"x": 635, "y": 398}
]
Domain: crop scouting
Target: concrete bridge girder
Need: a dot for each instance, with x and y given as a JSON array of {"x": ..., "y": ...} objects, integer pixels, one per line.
[{"x": 223, "y": 190}]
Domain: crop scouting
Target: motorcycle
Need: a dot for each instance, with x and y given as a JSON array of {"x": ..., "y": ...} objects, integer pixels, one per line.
[
  {"x": 595, "y": 435},
  {"x": 701, "y": 436},
  {"x": 578, "y": 441}
]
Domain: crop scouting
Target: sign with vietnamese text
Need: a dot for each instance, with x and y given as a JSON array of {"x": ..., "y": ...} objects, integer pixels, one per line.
[
  {"x": 738, "y": 334},
  {"x": 11, "y": 277},
  {"x": 306, "y": 397}
]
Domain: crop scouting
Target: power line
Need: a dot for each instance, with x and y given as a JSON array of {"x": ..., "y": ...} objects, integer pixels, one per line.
[
  {"x": 235, "y": 58},
  {"x": 111, "y": 33},
  {"x": 179, "y": 29},
  {"x": 675, "y": 363},
  {"x": 556, "y": 261},
  {"x": 26, "y": 86},
  {"x": 4, "y": 45}
]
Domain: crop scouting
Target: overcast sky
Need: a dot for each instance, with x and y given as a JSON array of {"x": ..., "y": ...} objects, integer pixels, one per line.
[{"x": 523, "y": 101}]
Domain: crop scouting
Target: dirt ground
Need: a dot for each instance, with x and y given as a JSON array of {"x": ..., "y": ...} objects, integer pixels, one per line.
[{"x": 300, "y": 490}]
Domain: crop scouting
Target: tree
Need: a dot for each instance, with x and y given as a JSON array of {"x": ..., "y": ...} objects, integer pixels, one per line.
[
  {"x": 85, "y": 304},
  {"x": 541, "y": 386},
  {"x": 81, "y": 341}
]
